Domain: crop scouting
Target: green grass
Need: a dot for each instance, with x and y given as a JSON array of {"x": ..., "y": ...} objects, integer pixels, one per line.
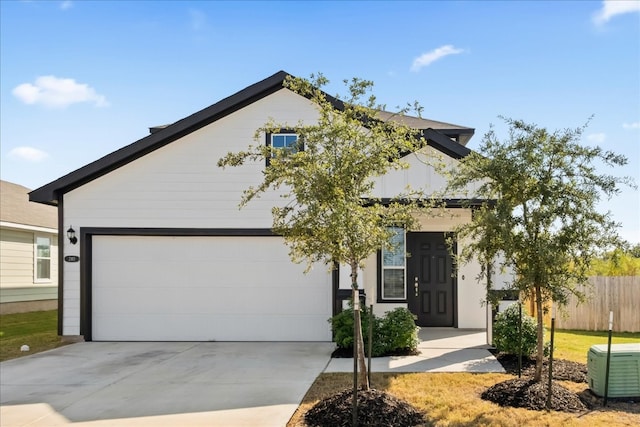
[
  {"x": 574, "y": 345},
  {"x": 37, "y": 329}
]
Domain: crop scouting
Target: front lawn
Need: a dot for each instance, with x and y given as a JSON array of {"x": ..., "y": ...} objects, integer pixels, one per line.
[
  {"x": 37, "y": 329},
  {"x": 574, "y": 345},
  {"x": 453, "y": 399}
]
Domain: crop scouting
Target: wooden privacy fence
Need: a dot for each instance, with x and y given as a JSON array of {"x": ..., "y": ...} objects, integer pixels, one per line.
[{"x": 618, "y": 294}]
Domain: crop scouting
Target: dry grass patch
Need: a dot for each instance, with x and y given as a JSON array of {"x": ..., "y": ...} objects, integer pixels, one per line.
[{"x": 453, "y": 399}]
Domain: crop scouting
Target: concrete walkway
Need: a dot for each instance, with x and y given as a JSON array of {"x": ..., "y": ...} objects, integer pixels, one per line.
[{"x": 441, "y": 350}]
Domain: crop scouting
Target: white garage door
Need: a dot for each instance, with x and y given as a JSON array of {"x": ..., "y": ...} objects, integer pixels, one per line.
[{"x": 166, "y": 288}]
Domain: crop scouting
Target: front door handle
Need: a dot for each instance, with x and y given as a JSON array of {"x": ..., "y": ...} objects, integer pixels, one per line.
[{"x": 415, "y": 285}]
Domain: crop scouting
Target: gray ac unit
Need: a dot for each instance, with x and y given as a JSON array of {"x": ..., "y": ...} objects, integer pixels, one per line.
[{"x": 624, "y": 370}]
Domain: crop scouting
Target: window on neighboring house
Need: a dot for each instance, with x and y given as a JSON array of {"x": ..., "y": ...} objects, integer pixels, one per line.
[
  {"x": 42, "y": 265},
  {"x": 283, "y": 141},
  {"x": 393, "y": 267}
]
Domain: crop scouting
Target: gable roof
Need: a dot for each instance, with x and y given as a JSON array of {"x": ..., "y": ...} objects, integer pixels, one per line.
[
  {"x": 15, "y": 208},
  {"x": 163, "y": 135},
  {"x": 461, "y": 134}
]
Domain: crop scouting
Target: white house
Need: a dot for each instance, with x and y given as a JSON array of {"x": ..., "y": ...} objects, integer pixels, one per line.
[
  {"x": 164, "y": 253},
  {"x": 28, "y": 252}
]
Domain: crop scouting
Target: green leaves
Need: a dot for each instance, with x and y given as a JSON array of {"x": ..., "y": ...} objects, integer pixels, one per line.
[
  {"x": 332, "y": 216},
  {"x": 546, "y": 186}
]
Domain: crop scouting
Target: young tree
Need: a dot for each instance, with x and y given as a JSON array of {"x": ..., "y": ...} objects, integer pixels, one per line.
[
  {"x": 541, "y": 219},
  {"x": 332, "y": 216}
]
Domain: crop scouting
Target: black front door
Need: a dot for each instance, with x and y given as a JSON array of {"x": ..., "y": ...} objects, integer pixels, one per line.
[{"x": 430, "y": 281}]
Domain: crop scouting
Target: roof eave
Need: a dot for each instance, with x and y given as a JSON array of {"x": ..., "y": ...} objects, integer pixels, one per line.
[{"x": 444, "y": 144}]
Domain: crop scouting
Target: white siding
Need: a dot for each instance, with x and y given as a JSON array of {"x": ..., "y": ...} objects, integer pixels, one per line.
[
  {"x": 181, "y": 186},
  {"x": 422, "y": 174}
]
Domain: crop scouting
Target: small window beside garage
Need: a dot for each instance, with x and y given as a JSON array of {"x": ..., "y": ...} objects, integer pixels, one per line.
[
  {"x": 42, "y": 259},
  {"x": 393, "y": 267}
]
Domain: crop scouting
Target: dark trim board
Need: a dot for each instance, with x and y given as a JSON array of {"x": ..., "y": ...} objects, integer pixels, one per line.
[
  {"x": 211, "y": 232},
  {"x": 62, "y": 234},
  {"x": 86, "y": 258}
]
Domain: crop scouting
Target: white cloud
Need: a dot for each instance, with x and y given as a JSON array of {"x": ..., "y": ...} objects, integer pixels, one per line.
[
  {"x": 611, "y": 8},
  {"x": 598, "y": 138},
  {"x": 55, "y": 92},
  {"x": 29, "y": 154},
  {"x": 67, "y": 4},
  {"x": 427, "y": 58},
  {"x": 634, "y": 125}
]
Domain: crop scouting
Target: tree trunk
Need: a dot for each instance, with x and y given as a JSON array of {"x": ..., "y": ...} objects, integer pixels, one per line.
[
  {"x": 540, "y": 347},
  {"x": 358, "y": 340}
]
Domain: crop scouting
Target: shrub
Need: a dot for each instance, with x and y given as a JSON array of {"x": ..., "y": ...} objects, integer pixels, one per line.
[
  {"x": 398, "y": 331},
  {"x": 505, "y": 332},
  {"x": 395, "y": 331},
  {"x": 342, "y": 327}
]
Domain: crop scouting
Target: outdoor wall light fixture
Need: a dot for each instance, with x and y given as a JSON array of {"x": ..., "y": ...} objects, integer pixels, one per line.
[{"x": 71, "y": 235}]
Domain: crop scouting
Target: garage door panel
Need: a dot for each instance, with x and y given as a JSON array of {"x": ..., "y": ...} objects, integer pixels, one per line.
[
  {"x": 208, "y": 300},
  {"x": 208, "y": 328},
  {"x": 205, "y": 288}
]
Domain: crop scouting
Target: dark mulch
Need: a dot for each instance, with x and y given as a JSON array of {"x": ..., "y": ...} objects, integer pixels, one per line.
[
  {"x": 375, "y": 408},
  {"x": 519, "y": 392},
  {"x": 529, "y": 394},
  {"x": 563, "y": 370}
]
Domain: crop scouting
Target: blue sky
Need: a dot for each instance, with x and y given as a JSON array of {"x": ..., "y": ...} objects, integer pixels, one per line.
[{"x": 80, "y": 79}]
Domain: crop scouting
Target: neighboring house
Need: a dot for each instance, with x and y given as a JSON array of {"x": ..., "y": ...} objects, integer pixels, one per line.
[
  {"x": 28, "y": 252},
  {"x": 165, "y": 253}
]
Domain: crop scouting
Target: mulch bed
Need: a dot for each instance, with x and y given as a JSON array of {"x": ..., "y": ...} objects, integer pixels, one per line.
[
  {"x": 375, "y": 408},
  {"x": 523, "y": 393},
  {"x": 529, "y": 394},
  {"x": 563, "y": 370}
]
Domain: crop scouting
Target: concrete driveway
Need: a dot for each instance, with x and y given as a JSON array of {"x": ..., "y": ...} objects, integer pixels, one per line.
[{"x": 160, "y": 384}]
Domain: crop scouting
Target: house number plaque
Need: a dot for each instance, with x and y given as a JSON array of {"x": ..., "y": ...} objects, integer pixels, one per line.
[{"x": 72, "y": 258}]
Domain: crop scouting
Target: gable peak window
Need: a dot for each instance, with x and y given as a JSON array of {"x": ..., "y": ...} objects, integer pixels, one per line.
[
  {"x": 283, "y": 140},
  {"x": 287, "y": 141}
]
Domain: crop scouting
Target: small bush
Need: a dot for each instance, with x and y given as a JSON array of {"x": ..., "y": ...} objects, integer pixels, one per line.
[
  {"x": 393, "y": 332},
  {"x": 398, "y": 331},
  {"x": 505, "y": 332},
  {"x": 342, "y": 327}
]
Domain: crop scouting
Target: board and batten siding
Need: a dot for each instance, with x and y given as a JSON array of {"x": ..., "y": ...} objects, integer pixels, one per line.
[
  {"x": 17, "y": 267},
  {"x": 420, "y": 175},
  {"x": 181, "y": 186}
]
